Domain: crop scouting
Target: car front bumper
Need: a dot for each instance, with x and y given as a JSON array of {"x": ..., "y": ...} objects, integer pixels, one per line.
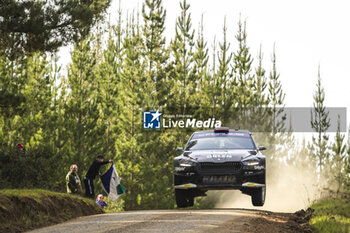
[
  {"x": 219, "y": 186},
  {"x": 239, "y": 179}
]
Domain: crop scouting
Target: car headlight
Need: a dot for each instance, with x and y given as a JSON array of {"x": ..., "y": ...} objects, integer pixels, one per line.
[
  {"x": 188, "y": 162},
  {"x": 251, "y": 163}
]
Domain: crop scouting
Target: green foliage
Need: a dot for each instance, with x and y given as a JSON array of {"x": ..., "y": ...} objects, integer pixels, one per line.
[
  {"x": 346, "y": 165},
  {"x": 116, "y": 206},
  {"x": 200, "y": 69},
  {"x": 31, "y": 26},
  {"x": 338, "y": 173},
  {"x": 243, "y": 78},
  {"x": 223, "y": 87},
  {"x": 155, "y": 53},
  {"x": 81, "y": 113},
  {"x": 130, "y": 123},
  {"x": 276, "y": 96},
  {"x": 108, "y": 77},
  {"x": 182, "y": 52},
  {"x": 331, "y": 215},
  {"x": 35, "y": 169},
  {"x": 320, "y": 122},
  {"x": 276, "y": 114}
]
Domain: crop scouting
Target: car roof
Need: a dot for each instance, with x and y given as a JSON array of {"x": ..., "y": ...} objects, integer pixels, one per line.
[{"x": 230, "y": 131}]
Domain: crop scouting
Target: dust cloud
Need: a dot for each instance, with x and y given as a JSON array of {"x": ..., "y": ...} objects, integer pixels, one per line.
[{"x": 289, "y": 188}]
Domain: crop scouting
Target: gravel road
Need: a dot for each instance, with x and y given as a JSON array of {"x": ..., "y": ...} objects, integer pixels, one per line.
[{"x": 213, "y": 220}]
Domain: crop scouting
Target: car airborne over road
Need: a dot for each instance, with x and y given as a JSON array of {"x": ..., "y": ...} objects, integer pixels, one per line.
[{"x": 219, "y": 159}]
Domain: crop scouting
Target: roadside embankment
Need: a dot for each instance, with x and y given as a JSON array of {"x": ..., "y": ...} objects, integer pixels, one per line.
[
  {"x": 26, "y": 209},
  {"x": 331, "y": 215}
]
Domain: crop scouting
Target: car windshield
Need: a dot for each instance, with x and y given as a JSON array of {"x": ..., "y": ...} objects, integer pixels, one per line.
[{"x": 221, "y": 142}]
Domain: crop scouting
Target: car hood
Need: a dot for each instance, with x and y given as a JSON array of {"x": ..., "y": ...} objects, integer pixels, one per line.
[{"x": 220, "y": 156}]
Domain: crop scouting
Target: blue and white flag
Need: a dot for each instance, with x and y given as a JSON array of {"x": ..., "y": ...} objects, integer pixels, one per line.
[{"x": 111, "y": 183}]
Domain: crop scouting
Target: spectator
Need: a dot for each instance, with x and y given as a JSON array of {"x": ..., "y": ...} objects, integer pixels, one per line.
[
  {"x": 20, "y": 148},
  {"x": 72, "y": 180},
  {"x": 91, "y": 174},
  {"x": 100, "y": 202}
]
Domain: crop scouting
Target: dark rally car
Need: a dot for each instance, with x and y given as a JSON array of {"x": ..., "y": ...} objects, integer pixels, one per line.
[{"x": 219, "y": 159}]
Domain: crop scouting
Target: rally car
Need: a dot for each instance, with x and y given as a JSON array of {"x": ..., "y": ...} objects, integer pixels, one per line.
[{"x": 216, "y": 160}]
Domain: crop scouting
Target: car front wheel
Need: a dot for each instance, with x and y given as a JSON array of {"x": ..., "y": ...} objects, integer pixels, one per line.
[
  {"x": 258, "y": 196},
  {"x": 184, "y": 198}
]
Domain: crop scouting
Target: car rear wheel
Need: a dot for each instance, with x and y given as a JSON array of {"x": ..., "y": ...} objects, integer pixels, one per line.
[
  {"x": 184, "y": 198},
  {"x": 258, "y": 197}
]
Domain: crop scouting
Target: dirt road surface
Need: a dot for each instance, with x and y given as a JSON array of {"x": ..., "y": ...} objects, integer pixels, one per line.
[{"x": 213, "y": 220}]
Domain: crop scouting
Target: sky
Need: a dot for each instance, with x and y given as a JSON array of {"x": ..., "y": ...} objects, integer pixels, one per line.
[{"x": 306, "y": 34}]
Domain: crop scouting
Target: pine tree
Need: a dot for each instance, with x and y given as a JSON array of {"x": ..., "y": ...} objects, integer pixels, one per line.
[
  {"x": 225, "y": 93},
  {"x": 37, "y": 94},
  {"x": 243, "y": 77},
  {"x": 55, "y": 133},
  {"x": 276, "y": 96},
  {"x": 155, "y": 52},
  {"x": 28, "y": 119},
  {"x": 11, "y": 85},
  {"x": 182, "y": 51},
  {"x": 261, "y": 80},
  {"x": 200, "y": 69},
  {"x": 260, "y": 113},
  {"x": 157, "y": 144},
  {"x": 337, "y": 172},
  {"x": 40, "y": 26},
  {"x": 82, "y": 118},
  {"x": 129, "y": 101},
  {"x": 212, "y": 82},
  {"x": 108, "y": 79},
  {"x": 320, "y": 123},
  {"x": 11, "y": 96},
  {"x": 347, "y": 167},
  {"x": 278, "y": 135},
  {"x": 30, "y": 123},
  {"x": 184, "y": 78}
]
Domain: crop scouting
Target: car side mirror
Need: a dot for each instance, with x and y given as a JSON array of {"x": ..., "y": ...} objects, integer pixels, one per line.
[
  {"x": 180, "y": 149},
  {"x": 262, "y": 148}
]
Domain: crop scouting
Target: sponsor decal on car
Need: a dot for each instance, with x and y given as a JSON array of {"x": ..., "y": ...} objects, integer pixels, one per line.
[
  {"x": 179, "y": 169},
  {"x": 219, "y": 156}
]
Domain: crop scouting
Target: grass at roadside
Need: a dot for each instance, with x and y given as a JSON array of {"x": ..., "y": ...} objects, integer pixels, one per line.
[
  {"x": 113, "y": 207},
  {"x": 26, "y": 209},
  {"x": 331, "y": 215}
]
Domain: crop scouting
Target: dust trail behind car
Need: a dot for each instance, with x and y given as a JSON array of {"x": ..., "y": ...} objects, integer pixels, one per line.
[{"x": 289, "y": 188}]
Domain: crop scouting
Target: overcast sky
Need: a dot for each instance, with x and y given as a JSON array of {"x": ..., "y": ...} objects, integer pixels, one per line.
[{"x": 306, "y": 33}]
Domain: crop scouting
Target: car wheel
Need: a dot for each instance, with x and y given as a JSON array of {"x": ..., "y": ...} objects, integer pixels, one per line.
[
  {"x": 183, "y": 198},
  {"x": 258, "y": 197}
]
